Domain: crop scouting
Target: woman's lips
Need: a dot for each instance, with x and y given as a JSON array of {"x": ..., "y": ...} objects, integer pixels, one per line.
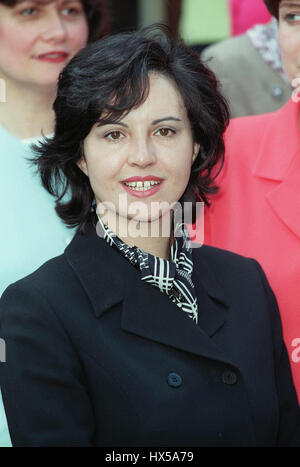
[
  {"x": 52, "y": 57},
  {"x": 142, "y": 187}
]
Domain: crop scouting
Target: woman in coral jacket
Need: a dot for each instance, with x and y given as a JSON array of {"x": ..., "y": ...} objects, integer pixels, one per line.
[{"x": 257, "y": 210}]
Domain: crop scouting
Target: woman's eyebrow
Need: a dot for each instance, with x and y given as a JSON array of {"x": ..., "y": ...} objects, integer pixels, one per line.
[
  {"x": 175, "y": 119},
  {"x": 64, "y": 2},
  {"x": 45, "y": 2},
  {"x": 35, "y": 2},
  {"x": 288, "y": 4},
  {"x": 104, "y": 122}
]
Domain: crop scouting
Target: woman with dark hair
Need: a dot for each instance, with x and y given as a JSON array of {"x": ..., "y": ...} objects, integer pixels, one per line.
[
  {"x": 257, "y": 210},
  {"x": 37, "y": 39},
  {"x": 135, "y": 336}
]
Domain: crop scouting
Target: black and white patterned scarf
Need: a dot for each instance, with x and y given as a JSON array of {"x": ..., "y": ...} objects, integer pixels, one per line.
[{"x": 173, "y": 277}]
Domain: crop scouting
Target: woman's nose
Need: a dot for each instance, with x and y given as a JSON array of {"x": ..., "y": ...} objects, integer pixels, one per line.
[
  {"x": 54, "y": 28},
  {"x": 142, "y": 154}
]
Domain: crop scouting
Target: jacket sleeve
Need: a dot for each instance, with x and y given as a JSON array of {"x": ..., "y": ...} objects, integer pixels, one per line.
[
  {"x": 42, "y": 382},
  {"x": 289, "y": 424}
]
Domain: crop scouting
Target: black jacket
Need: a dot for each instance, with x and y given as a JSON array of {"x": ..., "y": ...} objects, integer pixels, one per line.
[{"x": 97, "y": 357}]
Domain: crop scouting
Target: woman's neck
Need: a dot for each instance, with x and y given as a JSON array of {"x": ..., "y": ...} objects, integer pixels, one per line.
[
  {"x": 157, "y": 246},
  {"x": 153, "y": 237},
  {"x": 27, "y": 111}
]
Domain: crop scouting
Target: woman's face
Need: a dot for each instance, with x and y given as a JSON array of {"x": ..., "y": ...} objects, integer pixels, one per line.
[
  {"x": 38, "y": 38},
  {"x": 289, "y": 37},
  {"x": 145, "y": 157}
]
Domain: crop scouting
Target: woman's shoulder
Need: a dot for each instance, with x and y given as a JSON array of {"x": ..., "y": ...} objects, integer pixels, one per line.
[
  {"x": 234, "y": 273},
  {"x": 47, "y": 297},
  {"x": 50, "y": 279},
  {"x": 222, "y": 259},
  {"x": 249, "y": 129},
  {"x": 8, "y": 140},
  {"x": 229, "y": 50}
]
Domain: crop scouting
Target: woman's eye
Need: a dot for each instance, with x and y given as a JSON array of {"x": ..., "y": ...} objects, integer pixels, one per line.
[
  {"x": 292, "y": 18},
  {"x": 114, "y": 135},
  {"x": 28, "y": 11},
  {"x": 71, "y": 11},
  {"x": 165, "y": 132}
]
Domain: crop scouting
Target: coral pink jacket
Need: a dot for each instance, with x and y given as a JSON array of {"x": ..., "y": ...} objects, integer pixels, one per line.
[{"x": 257, "y": 210}]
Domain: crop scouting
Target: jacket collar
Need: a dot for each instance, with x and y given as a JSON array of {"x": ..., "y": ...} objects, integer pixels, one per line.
[
  {"x": 279, "y": 144},
  {"x": 109, "y": 279},
  {"x": 99, "y": 269},
  {"x": 279, "y": 160}
]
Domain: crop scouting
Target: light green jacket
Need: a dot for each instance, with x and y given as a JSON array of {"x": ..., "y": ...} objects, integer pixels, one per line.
[{"x": 30, "y": 230}]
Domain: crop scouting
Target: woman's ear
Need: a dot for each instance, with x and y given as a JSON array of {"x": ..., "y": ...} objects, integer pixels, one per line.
[
  {"x": 83, "y": 165},
  {"x": 196, "y": 151}
]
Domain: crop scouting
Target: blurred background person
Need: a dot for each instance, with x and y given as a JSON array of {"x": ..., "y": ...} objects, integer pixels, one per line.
[
  {"x": 257, "y": 210},
  {"x": 249, "y": 66},
  {"x": 37, "y": 39}
]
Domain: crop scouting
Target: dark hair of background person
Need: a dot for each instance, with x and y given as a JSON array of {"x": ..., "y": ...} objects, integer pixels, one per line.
[
  {"x": 273, "y": 7},
  {"x": 111, "y": 77},
  {"x": 98, "y": 13},
  {"x": 173, "y": 12}
]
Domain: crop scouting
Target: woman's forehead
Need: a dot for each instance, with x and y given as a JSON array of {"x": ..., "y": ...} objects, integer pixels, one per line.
[
  {"x": 161, "y": 94},
  {"x": 44, "y": 2},
  {"x": 289, "y": 3},
  {"x": 162, "y": 97}
]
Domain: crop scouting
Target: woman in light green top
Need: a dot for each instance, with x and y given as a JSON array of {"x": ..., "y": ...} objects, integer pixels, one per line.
[{"x": 37, "y": 39}]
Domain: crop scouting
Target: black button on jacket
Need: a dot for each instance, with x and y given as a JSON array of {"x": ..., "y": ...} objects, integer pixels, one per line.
[{"x": 89, "y": 348}]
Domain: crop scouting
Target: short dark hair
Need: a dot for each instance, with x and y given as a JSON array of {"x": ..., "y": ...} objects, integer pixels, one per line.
[
  {"x": 97, "y": 12},
  {"x": 273, "y": 7},
  {"x": 112, "y": 76}
]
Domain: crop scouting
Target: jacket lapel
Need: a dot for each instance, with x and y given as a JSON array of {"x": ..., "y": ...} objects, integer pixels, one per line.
[
  {"x": 212, "y": 301},
  {"x": 98, "y": 268},
  {"x": 109, "y": 279},
  {"x": 279, "y": 160},
  {"x": 150, "y": 314},
  {"x": 285, "y": 199}
]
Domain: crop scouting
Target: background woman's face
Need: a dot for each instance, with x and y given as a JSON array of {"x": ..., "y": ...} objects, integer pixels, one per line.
[
  {"x": 38, "y": 38},
  {"x": 146, "y": 157},
  {"x": 289, "y": 37}
]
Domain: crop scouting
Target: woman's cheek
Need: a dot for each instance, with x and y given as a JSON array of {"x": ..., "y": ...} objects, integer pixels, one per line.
[{"x": 79, "y": 36}]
